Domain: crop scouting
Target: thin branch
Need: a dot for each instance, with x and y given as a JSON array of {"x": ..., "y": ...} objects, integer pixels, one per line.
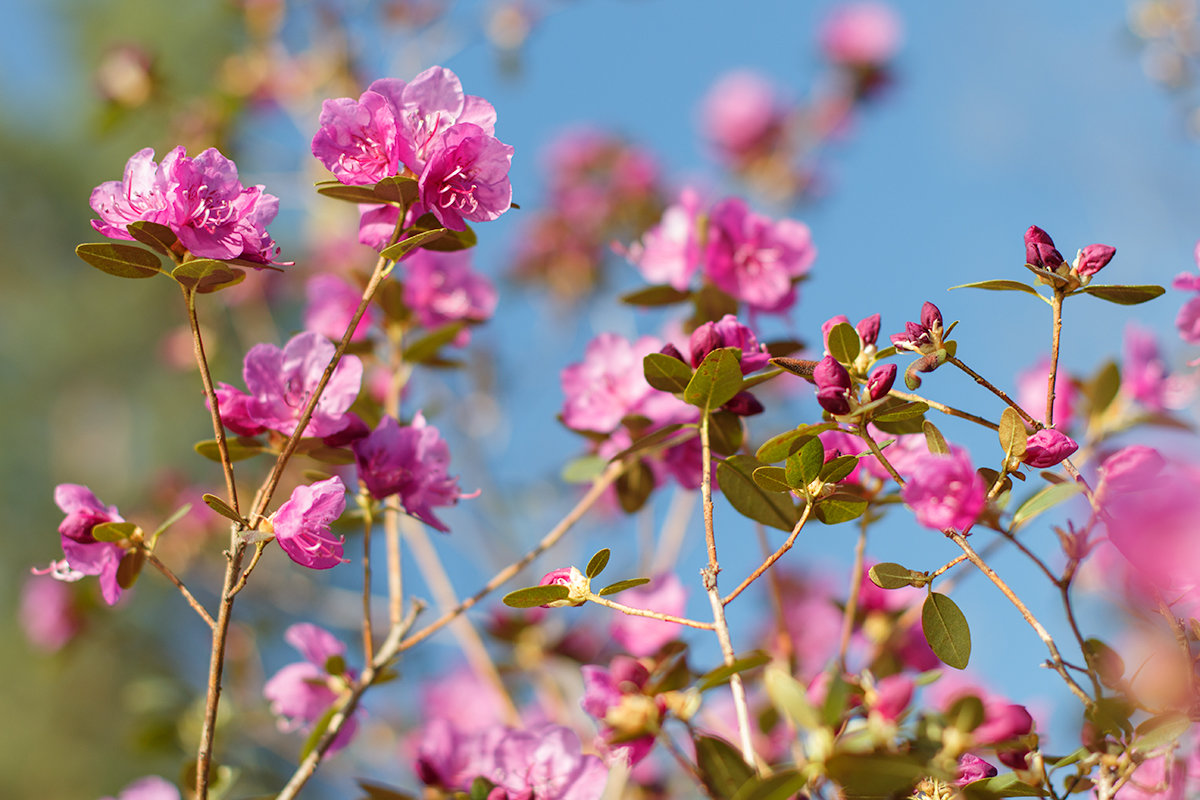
[
  {"x": 1056, "y": 335},
  {"x": 189, "y": 296},
  {"x": 187, "y": 595},
  {"x": 254, "y": 559},
  {"x": 856, "y": 578},
  {"x": 771, "y": 559},
  {"x": 945, "y": 409},
  {"x": 641, "y": 612},
  {"x": 985, "y": 383},
  {"x": 368, "y": 635}
]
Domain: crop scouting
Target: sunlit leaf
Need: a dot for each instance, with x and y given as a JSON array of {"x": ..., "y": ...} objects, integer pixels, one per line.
[
  {"x": 716, "y": 380},
  {"x": 735, "y": 476},
  {"x": 889, "y": 575},
  {"x": 935, "y": 442},
  {"x": 598, "y": 562},
  {"x": 772, "y": 479},
  {"x": 427, "y": 346},
  {"x": 999, "y": 286},
  {"x": 121, "y": 260},
  {"x": 403, "y": 247},
  {"x": 666, "y": 373},
  {"x": 1160, "y": 731},
  {"x": 1125, "y": 295},
  {"x": 221, "y": 507},
  {"x": 721, "y": 766},
  {"x": 805, "y": 464},
  {"x": 1012, "y": 433},
  {"x": 844, "y": 343},
  {"x": 620, "y": 586},
  {"x": 946, "y": 630},
  {"x": 723, "y": 673},
  {"x": 533, "y": 596},
  {"x": 1044, "y": 500},
  {"x": 113, "y": 531}
]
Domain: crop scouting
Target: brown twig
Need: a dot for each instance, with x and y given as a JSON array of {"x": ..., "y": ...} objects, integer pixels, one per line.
[
  {"x": 187, "y": 595},
  {"x": 771, "y": 559}
]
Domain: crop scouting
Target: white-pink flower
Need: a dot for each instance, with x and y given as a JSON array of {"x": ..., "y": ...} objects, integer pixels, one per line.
[{"x": 670, "y": 251}]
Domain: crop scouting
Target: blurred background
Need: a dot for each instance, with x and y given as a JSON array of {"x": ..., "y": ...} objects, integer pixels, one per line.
[{"x": 920, "y": 174}]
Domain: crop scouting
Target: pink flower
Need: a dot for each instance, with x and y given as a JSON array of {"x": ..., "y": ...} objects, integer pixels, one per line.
[
  {"x": 442, "y": 287},
  {"x": 728, "y": 332},
  {"x": 861, "y": 34},
  {"x": 302, "y": 524},
  {"x": 945, "y": 491},
  {"x": 606, "y": 690},
  {"x": 1031, "y": 393},
  {"x": 642, "y": 636},
  {"x": 411, "y": 461},
  {"x": 1094, "y": 258},
  {"x": 331, "y": 305},
  {"x": 1188, "y": 321},
  {"x": 201, "y": 200},
  {"x": 973, "y": 768},
  {"x": 47, "y": 615},
  {"x": 300, "y": 693},
  {"x": 670, "y": 251},
  {"x": 1048, "y": 447},
  {"x": 608, "y": 384},
  {"x": 82, "y": 554},
  {"x": 466, "y": 177},
  {"x": 1144, "y": 374},
  {"x": 755, "y": 259},
  {"x": 741, "y": 113},
  {"x": 1002, "y": 721},
  {"x": 151, "y": 787},
  {"x": 892, "y": 696},
  {"x": 546, "y": 763},
  {"x": 357, "y": 140},
  {"x": 281, "y": 382}
]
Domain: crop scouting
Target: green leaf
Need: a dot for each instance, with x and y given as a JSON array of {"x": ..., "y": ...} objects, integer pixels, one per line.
[
  {"x": 735, "y": 475},
  {"x": 780, "y": 786},
  {"x": 782, "y": 445},
  {"x": 221, "y": 507},
  {"x": 584, "y": 469},
  {"x": 839, "y": 507},
  {"x": 1111, "y": 715},
  {"x": 655, "y": 296},
  {"x": 716, "y": 380},
  {"x": 721, "y": 766},
  {"x": 1110, "y": 667},
  {"x": 837, "y": 468},
  {"x": 875, "y": 775},
  {"x": 722, "y": 674},
  {"x": 837, "y": 695},
  {"x": 481, "y": 787},
  {"x": 318, "y": 730},
  {"x": 649, "y": 440},
  {"x": 1160, "y": 731},
  {"x": 1012, "y": 433},
  {"x": 1044, "y": 500},
  {"x": 965, "y": 713},
  {"x": 934, "y": 441},
  {"x": 772, "y": 479},
  {"x": 634, "y": 486},
  {"x": 377, "y": 791},
  {"x": 240, "y": 448},
  {"x": 1125, "y": 295},
  {"x": 160, "y": 237},
  {"x": 113, "y": 531},
  {"x": 999, "y": 286},
  {"x": 533, "y": 596},
  {"x": 666, "y": 373},
  {"x": 844, "y": 343},
  {"x": 395, "y": 190},
  {"x": 130, "y": 567},
  {"x": 946, "y": 630},
  {"x": 335, "y": 664},
  {"x": 597, "y": 563},
  {"x": 621, "y": 586},
  {"x": 790, "y": 698},
  {"x": 890, "y": 575},
  {"x": 904, "y": 410},
  {"x": 122, "y": 260},
  {"x": 1006, "y": 785},
  {"x": 179, "y": 514},
  {"x": 1103, "y": 388},
  {"x": 450, "y": 241},
  {"x": 427, "y": 346},
  {"x": 206, "y": 275},
  {"x": 405, "y": 246},
  {"x": 725, "y": 432},
  {"x": 805, "y": 464}
]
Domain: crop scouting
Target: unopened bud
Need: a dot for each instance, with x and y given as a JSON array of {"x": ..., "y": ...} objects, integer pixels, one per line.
[
  {"x": 1094, "y": 258},
  {"x": 1040, "y": 250}
]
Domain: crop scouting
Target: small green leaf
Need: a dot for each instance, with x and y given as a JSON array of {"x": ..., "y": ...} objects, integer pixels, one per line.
[
  {"x": 533, "y": 596},
  {"x": 634, "y": 486},
  {"x": 904, "y": 410},
  {"x": 725, "y": 432},
  {"x": 206, "y": 275},
  {"x": 805, "y": 464},
  {"x": 934, "y": 441},
  {"x": 844, "y": 343},
  {"x": 875, "y": 775},
  {"x": 1111, "y": 715},
  {"x": 790, "y": 698},
  {"x": 481, "y": 787},
  {"x": 160, "y": 237},
  {"x": 1160, "y": 731},
  {"x": 1012, "y": 433},
  {"x": 782, "y": 445},
  {"x": 318, "y": 730},
  {"x": 621, "y": 586},
  {"x": 1110, "y": 667},
  {"x": 397, "y": 189},
  {"x": 666, "y": 373},
  {"x": 335, "y": 664},
  {"x": 122, "y": 260},
  {"x": 1125, "y": 295},
  {"x": 403, "y": 247},
  {"x": 584, "y": 469},
  {"x": 837, "y": 695},
  {"x": 449, "y": 241},
  {"x": 1103, "y": 388},
  {"x": 999, "y": 286},
  {"x": 1006, "y": 785},
  {"x": 946, "y": 630},
  {"x": 721, "y": 766},
  {"x": 716, "y": 380},
  {"x": 723, "y": 673},
  {"x": 179, "y": 514},
  {"x": 130, "y": 567},
  {"x": 655, "y": 296},
  {"x": 735, "y": 475},
  {"x": 839, "y": 507},
  {"x": 965, "y": 713},
  {"x": 772, "y": 479},
  {"x": 1044, "y": 500},
  {"x": 837, "y": 468},
  {"x": 240, "y": 448},
  {"x": 598, "y": 562},
  {"x": 783, "y": 785},
  {"x": 113, "y": 531},
  {"x": 425, "y": 348},
  {"x": 890, "y": 575},
  {"x": 221, "y": 507}
]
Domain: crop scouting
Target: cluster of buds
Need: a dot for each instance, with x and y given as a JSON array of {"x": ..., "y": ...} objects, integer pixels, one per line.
[
  {"x": 928, "y": 338},
  {"x": 844, "y": 388},
  {"x": 1043, "y": 258}
]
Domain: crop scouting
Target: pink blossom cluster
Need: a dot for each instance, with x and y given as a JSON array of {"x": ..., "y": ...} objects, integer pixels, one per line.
[
  {"x": 1188, "y": 319},
  {"x": 300, "y": 693},
  {"x": 427, "y": 128},
  {"x": 200, "y": 199},
  {"x": 442, "y": 288},
  {"x": 750, "y": 257},
  {"x": 600, "y": 188}
]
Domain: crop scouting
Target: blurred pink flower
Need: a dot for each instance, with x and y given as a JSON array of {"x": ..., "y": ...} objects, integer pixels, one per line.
[
  {"x": 741, "y": 113},
  {"x": 331, "y": 305},
  {"x": 151, "y": 787},
  {"x": 442, "y": 287},
  {"x": 301, "y": 693},
  {"x": 755, "y": 259},
  {"x": 670, "y": 251},
  {"x": 302, "y": 524},
  {"x": 1031, "y": 393},
  {"x": 861, "y": 34},
  {"x": 82, "y": 554},
  {"x": 945, "y": 491},
  {"x": 1048, "y": 447},
  {"x": 47, "y": 614},
  {"x": 608, "y": 384},
  {"x": 642, "y": 636},
  {"x": 973, "y": 768},
  {"x": 1144, "y": 373}
]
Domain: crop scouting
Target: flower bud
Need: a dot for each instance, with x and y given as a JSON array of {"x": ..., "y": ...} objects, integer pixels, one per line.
[
  {"x": 744, "y": 404},
  {"x": 931, "y": 316},
  {"x": 576, "y": 582},
  {"x": 833, "y": 382},
  {"x": 881, "y": 380},
  {"x": 1040, "y": 250},
  {"x": 672, "y": 351},
  {"x": 973, "y": 768},
  {"x": 1048, "y": 447},
  {"x": 1002, "y": 722},
  {"x": 868, "y": 329},
  {"x": 1093, "y": 258},
  {"x": 704, "y": 340}
]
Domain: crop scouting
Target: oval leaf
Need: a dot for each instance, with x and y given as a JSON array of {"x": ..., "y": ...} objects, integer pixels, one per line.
[
  {"x": 782, "y": 445},
  {"x": 634, "y": 486},
  {"x": 584, "y": 469},
  {"x": 805, "y": 464},
  {"x": 403, "y": 247},
  {"x": 844, "y": 343},
  {"x": 1012, "y": 433},
  {"x": 934, "y": 441},
  {"x": 780, "y": 786},
  {"x": 621, "y": 586},
  {"x": 240, "y": 448},
  {"x": 113, "y": 531},
  {"x": 999, "y": 286},
  {"x": 790, "y": 698},
  {"x": 221, "y": 507},
  {"x": 723, "y": 673},
  {"x": 716, "y": 380},
  {"x": 837, "y": 468},
  {"x": 725, "y": 434},
  {"x": 533, "y": 596},
  {"x": 122, "y": 260},
  {"x": 735, "y": 476},
  {"x": 904, "y": 410},
  {"x": 772, "y": 479},
  {"x": 130, "y": 567},
  {"x": 206, "y": 274},
  {"x": 721, "y": 766},
  {"x": 1159, "y": 731},
  {"x": 946, "y": 630},
  {"x": 890, "y": 575},
  {"x": 160, "y": 237},
  {"x": 665, "y": 373},
  {"x": 1043, "y": 501},
  {"x": 655, "y": 296},
  {"x": 598, "y": 562},
  {"x": 1125, "y": 295},
  {"x": 426, "y": 348},
  {"x": 840, "y": 507}
]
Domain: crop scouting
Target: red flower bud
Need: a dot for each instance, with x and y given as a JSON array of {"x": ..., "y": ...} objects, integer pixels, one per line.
[
  {"x": 1094, "y": 257},
  {"x": 1040, "y": 250}
]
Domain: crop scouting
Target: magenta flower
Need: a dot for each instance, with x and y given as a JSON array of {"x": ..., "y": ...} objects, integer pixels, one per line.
[
  {"x": 82, "y": 554},
  {"x": 881, "y": 380},
  {"x": 608, "y": 384},
  {"x": 833, "y": 385},
  {"x": 605, "y": 691},
  {"x": 411, "y": 461},
  {"x": 1144, "y": 373},
  {"x": 741, "y": 113},
  {"x": 728, "y": 332},
  {"x": 1031, "y": 393},
  {"x": 302, "y": 524},
  {"x": 945, "y": 491},
  {"x": 669, "y": 253},
  {"x": 466, "y": 177},
  {"x": 331, "y": 305},
  {"x": 201, "y": 200},
  {"x": 642, "y": 636},
  {"x": 47, "y": 614},
  {"x": 300, "y": 693},
  {"x": 892, "y": 696},
  {"x": 357, "y": 140},
  {"x": 973, "y": 768},
  {"x": 1002, "y": 721},
  {"x": 452, "y": 757},
  {"x": 861, "y": 34},
  {"x": 918, "y": 335},
  {"x": 442, "y": 287},
  {"x": 1040, "y": 250},
  {"x": 755, "y": 259},
  {"x": 280, "y": 384},
  {"x": 1188, "y": 321},
  {"x": 1048, "y": 447},
  {"x": 546, "y": 763},
  {"x": 151, "y": 787},
  {"x": 1094, "y": 258}
]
